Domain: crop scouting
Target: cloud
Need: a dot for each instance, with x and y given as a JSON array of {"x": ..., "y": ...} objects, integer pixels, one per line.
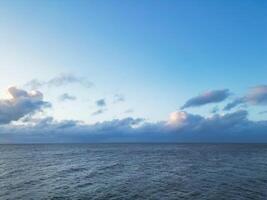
[
  {"x": 255, "y": 96},
  {"x": 180, "y": 119},
  {"x": 117, "y": 124},
  {"x": 118, "y": 98},
  {"x": 234, "y": 104},
  {"x": 99, "y": 111},
  {"x": 20, "y": 104},
  {"x": 231, "y": 127},
  {"x": 66, "y": 97},
  {"x": 214, "y": 110},
  {"x": 101, "y": 103},
  {"x": 214, "y": 96},
  {"x": 128, "y": 111},
  {"x": 35, "y": 84},
  {"x": 263, "y": 112},
  {"x": 58, "y": 81},
  {"x": 180, "y": 127}
]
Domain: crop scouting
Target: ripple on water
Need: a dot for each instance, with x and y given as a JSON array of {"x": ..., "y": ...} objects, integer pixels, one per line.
[{"x": 133, "y": 171}]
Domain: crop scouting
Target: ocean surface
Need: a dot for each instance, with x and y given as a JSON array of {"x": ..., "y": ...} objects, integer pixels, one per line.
[{"x": 133, "y": 171}]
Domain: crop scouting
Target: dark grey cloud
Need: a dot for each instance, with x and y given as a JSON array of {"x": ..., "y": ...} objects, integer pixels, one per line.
[
  {"x": 60, "y": 80},
  {"x": 214, "y": 96},
  {"x": 101, "y": 102},
  {"x": 180, "y": 127},
  {"x": 20, "y": 104},
  {"x": 66, "y": 97}
]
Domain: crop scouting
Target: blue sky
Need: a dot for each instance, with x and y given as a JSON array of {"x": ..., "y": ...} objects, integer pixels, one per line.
[{"x": 157, "y": 55}]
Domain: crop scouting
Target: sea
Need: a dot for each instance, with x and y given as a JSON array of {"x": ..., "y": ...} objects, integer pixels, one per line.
[{"x": 133, "y": 171}]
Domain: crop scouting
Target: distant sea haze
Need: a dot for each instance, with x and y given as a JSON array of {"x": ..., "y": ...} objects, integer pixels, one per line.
[{"x": 133, "y": 171}]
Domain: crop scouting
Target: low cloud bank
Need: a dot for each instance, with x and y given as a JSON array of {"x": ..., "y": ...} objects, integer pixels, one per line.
[{"x": 180, "y": 127}]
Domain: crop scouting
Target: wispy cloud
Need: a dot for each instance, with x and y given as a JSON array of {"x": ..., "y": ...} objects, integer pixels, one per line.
[
  {"x": 58, "y": 81},
  {"x": 99, "y": 111},
  {"x": 66, "y": 97},
  {"x": 118, "y": 98},
  {"x": 234, "y": 104},
  {"x": 256, "y": 96},
  {"x": 128, "y": 111}
]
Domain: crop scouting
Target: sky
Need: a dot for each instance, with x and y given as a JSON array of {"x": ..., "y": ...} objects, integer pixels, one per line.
[{"x": 130, "y": 71}]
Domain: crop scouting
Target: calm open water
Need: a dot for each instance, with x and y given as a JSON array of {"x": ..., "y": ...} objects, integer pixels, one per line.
[{"x": 133, "y": 171}]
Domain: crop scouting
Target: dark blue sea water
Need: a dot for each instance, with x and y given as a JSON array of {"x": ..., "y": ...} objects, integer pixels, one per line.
[{"x": 133, "y": 171}]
